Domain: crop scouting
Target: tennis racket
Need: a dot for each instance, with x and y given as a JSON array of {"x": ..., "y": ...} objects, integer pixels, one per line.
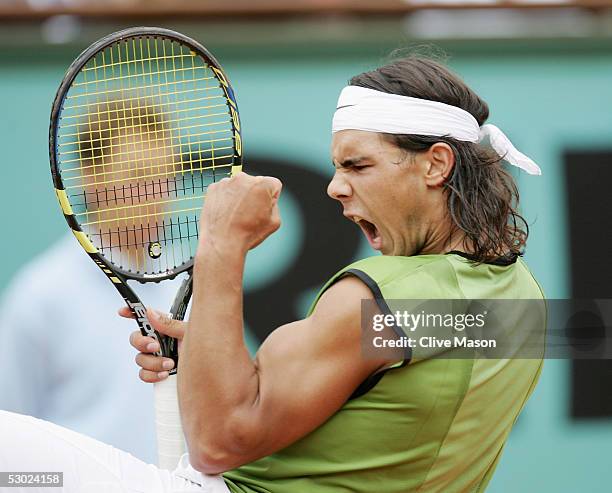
[{"x": 143, "y": 121}]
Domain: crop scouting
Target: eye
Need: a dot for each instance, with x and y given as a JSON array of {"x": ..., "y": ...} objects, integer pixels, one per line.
[{"x": 358, "y": 168}]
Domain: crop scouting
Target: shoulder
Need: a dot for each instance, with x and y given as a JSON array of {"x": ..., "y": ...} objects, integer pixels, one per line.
[
  {"x": 401, "y": 277},
  {"x": 341, "y": 302},
  {"x": 386, "y": 269},
  {"x": 332, "y": 332},
  {"x": 334, "y": 321},
  {"x": 532, "y": 285}
]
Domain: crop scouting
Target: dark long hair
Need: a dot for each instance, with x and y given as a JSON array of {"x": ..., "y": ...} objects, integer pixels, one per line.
[{"x": 482, "y": 197}]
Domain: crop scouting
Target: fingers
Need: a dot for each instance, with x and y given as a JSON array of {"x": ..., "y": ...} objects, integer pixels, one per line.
[
  {"x": 153, "y": 363},
  {"x": 144, "y": 344},
  {"x": 274, "y": 185},
  {"x": 163, "y": 324},
  {"x": 153, "y": 368},
  {"x": 125, "y": 312},
  {"x": 276, "y": 219},
  {"x": 152, "y": 377}
]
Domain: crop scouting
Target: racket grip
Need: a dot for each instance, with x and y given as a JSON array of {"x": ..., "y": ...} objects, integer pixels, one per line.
[{"x": 170, "y": 439}]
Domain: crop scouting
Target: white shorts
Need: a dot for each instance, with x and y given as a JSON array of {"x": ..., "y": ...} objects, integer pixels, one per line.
[{"x": 89, "y": 466}]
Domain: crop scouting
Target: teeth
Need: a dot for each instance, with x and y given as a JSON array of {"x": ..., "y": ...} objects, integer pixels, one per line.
[{"x": 357, "y": 219}]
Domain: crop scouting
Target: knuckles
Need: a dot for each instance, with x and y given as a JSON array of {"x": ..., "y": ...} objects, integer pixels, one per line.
[{"x": 242, "y": 183}]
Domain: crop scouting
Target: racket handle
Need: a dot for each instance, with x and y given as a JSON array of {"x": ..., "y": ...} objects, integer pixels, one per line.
[{"x": 170, "y": 440}]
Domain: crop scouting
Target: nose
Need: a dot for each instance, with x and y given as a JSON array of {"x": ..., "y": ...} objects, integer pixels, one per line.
[{"x": 338, "y": 187}]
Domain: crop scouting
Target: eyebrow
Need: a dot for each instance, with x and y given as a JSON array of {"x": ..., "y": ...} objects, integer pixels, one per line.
[{"x": 347, "y": 163}]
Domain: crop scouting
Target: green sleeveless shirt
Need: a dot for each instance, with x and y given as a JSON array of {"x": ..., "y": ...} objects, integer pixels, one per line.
[{"x": 434, "y": 425}]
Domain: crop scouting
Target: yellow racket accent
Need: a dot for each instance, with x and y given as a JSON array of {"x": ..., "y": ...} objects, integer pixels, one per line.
[
  {"x": 85, "y": 242},
  {"x": 63, "y": 200}
]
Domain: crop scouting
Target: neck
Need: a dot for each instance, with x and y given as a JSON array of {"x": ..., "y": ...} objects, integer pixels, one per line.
[{"x": 442, "y": 239}]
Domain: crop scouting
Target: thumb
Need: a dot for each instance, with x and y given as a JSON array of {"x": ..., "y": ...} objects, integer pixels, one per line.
[{"x": 163, "y": 324}]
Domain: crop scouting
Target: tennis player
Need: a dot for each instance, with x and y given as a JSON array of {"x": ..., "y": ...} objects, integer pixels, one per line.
[{"x": 419, "y": 171}]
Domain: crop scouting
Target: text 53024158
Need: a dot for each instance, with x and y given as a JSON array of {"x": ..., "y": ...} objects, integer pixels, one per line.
[{"x": 29, "y": 479}]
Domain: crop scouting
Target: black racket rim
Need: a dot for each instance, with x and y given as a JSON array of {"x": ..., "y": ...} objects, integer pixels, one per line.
[{"x": 56, "y": 109}]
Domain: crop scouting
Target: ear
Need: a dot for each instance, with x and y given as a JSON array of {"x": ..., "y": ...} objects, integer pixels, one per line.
[{"x": 441, "y": 161}]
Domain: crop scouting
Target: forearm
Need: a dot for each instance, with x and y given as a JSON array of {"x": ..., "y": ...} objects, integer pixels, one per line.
[{"x": 218, "y": 381}]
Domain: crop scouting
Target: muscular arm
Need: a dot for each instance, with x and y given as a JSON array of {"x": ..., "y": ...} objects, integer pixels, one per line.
[{"x": 236, "y": 409}]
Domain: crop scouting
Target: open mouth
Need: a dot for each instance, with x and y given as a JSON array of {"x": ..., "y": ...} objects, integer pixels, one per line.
[{"x": 371, "y": 233}]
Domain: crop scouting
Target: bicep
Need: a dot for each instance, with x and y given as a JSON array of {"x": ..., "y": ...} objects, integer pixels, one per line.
[{"x": 308, "y": 369}]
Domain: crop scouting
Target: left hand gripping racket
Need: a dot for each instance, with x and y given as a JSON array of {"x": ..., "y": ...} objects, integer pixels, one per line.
[{"x": 144, "y": 120}]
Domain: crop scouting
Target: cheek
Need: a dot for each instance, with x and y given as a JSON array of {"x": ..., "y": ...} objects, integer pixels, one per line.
[
  {"x": 406, "y": 198},
  {"x": 398, "y": 188}
]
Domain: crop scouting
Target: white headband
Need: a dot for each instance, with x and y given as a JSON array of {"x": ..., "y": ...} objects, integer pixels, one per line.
[{"x": 360, "y": 108}]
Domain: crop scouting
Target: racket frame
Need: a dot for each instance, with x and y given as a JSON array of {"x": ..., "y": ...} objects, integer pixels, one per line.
[{"x": 71, "y": 74}]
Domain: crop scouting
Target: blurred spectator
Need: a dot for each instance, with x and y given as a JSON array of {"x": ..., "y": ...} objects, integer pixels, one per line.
[{"x": 58, "y": 331}]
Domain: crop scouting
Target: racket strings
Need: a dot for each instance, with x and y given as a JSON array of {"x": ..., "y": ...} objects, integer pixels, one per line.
[
  {"x": 145, "y": 128},
  {"x": 143, "y": 87},
  {"x": 176, "y": 112},
  {"x": 156, "y": 58},
  {"x": 154, "y": 189},
  {"x": 173, "y": 234},
  {"x": 131, "y": 154},
  {"x": 102, "y": 147},
  {"x": 128, "y": 100}
]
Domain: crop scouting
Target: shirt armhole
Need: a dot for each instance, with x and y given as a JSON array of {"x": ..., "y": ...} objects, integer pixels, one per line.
[{"x": 370, "y": 382}]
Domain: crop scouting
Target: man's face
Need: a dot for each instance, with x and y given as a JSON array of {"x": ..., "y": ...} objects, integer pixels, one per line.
[{"x": 381, "y": 188}]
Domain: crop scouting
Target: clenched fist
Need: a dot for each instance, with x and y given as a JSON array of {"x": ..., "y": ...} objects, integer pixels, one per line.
[{"x": 240, "y": 212}]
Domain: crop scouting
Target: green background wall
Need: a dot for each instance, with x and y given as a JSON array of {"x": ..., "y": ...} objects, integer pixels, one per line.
[{"x": 548, "y": 96}]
